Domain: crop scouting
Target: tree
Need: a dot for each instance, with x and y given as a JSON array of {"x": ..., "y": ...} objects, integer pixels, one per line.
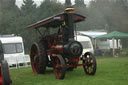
[
  {"x": 80, "y": 8},
  {"x": 49, "y": 8},
  {"x": 7, "y": 4},
  {"x": 68, "y": 3},
  {"x": 8, "y": 13},
  {"x": 79, "y": 3},
  {"x": 111, "y": 15},
  {"x": 28, "y": 6}
]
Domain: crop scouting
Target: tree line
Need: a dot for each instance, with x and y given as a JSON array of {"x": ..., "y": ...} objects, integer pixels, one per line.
[{"x": 101, "y": 14}]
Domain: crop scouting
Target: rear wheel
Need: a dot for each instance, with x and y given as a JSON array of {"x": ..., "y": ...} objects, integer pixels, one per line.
[
  {"x": 59, "y": 67},
  {"x": 4, "y": 73},
  {"x": 90, "y": 64},
  {"x": 38, "y": 58}
]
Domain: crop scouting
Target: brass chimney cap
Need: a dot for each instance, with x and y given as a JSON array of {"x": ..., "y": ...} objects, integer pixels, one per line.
[{"x": 69, "y": 10}]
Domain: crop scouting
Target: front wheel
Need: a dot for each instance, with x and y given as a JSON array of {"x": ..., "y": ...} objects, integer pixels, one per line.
[
  {"x": 4, "y": 73},
  {"x": 59, "y": 67},
  {"x": 89, "y": 62}
]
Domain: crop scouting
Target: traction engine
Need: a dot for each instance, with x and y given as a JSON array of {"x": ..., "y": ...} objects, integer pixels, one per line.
[{"x": 60, "y": 50}]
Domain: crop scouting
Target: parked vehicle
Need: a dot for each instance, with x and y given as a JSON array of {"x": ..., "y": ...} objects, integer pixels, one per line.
[{"x": 13, "y": 48}]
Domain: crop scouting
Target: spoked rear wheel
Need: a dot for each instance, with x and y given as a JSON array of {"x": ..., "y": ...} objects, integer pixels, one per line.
[
  {"x": 59, "y": 67},
  {"x": 4, "y": 73},
  {"x": 90, "y": 64},
  {"x": 38, "y": 58}
]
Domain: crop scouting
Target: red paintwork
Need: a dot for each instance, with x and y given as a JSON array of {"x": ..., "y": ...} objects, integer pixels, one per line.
[
  {"x": 1, "y": 79},
  {"x": 58, "y": 48},
  {"x": 75, "y": 65},
  {"x": 35, "y": 65},
  {"x": 54, "y": 47},
  {"x": 57, "y": 63},
  {"x": 76, "y": 59}
]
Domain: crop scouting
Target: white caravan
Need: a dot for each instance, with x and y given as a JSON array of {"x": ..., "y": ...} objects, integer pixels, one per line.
[
  {"x": 86, "y": 43},
  {"x": 13, "y": 49}
]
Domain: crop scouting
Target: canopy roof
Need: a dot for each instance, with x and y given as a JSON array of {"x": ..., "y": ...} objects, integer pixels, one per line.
[
  {"x": 56, "y": 21},
  {"x": 114, "y": 34}
]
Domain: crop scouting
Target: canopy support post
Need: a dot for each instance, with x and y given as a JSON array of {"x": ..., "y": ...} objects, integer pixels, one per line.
[{"x": 113, "y": 46}]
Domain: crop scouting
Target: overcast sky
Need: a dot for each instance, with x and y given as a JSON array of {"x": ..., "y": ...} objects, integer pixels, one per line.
[{"x": 19, "y": 2}]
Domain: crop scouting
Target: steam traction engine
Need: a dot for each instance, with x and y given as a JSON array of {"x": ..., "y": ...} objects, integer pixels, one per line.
[
  {"x": 4, "y": 69},
  {"x": 60, "y": 50}
]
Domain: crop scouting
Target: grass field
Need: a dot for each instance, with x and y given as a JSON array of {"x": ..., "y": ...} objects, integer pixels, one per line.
[{"x": 110, "y": 71}]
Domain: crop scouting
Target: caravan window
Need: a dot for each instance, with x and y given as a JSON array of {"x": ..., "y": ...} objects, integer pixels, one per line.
[
  {"x": 12, "y": 48},
  {"x": 19, "y": 47},
  {"x": 86, "y": 44}
]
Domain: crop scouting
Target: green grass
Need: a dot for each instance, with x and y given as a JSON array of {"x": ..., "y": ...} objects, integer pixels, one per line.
[{"x": 110, "y": 71}]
